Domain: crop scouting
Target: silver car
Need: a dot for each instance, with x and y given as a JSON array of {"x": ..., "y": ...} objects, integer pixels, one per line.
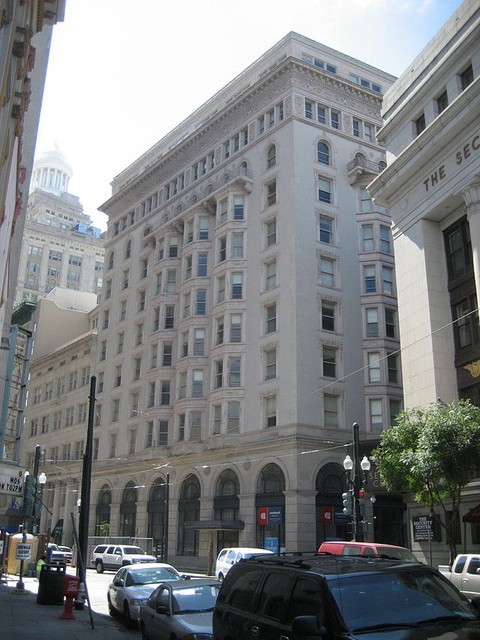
[
  {"x": 180, "y": 610},
  {"x": 132, "y": 585}
]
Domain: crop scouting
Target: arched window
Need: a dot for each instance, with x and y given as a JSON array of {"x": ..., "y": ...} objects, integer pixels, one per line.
[
  {"x": 188, "y": 514},
  {"x": 102, "y": 511},
  {"x": 330, "y": 484},
  {"x": 271, "y": 156},
  {"x": 128, "y": 511},
  {"x": 158, "y": 517},
  {"x": 323, "y": 153},
  {"x": 270, "y": 504},
  {"x": 226, "y": 505},
  {"x": 382, "y": 165}
]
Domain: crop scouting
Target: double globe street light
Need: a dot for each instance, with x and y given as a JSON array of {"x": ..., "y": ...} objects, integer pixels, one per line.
[{"x": 356, "y": 472}]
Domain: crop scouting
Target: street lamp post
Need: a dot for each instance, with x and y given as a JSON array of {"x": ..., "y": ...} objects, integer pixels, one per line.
[
  {"x": 356, "y": 472},
  {"x": 42, "y": 479}
]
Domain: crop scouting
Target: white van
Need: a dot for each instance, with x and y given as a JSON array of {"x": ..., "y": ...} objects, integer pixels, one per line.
[{"x": 228, "y": 557}]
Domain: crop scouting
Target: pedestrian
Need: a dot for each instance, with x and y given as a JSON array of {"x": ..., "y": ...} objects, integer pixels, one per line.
[{"x": 42, "y": 560}]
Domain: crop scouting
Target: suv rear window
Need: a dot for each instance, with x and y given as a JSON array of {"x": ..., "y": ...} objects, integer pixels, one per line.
[
  {"x": 100, "y": 549},
  {"x": 241, "y": 596}
]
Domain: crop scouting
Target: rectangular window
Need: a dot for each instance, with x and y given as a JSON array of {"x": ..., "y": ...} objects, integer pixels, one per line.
[
  {"x": 182, "y": 385},
  {"x": 392, "y": 362},
  {"x": 151, "y": 394},
  {"x": 181, "y": 427},
  {"x": 237, "y": 286},
  {"x": 222, "y": 208},
  {"x": 220, "y": 330},
  {"x": 327, "y": 270},
  {"x": 137, "y": 368},
  {"x": 356, "y": 128},
  {"x": 374, "y": 373},
  {"x": 201, "y": 302},
  {"x": 196, "y": 426},
  {"x": 203, "y": 228},
  {"x": 271, "y": 275},
  {"x": 420, "y": 124},
  {"x": 376, "y": 416},
  {"x": 202, "y": 260},
  {"x": 186, "y": 304},
  {"x": 162, "y": 426},
  {"x": 141, "y": 300},
  {"x": 171, "y": 284},
  {"x": 199, "y": 342},
  {"x": 308, "y": 109},
  {"x": 390, "y": 323},
  {"x": 184, "y": 345},
  {"x": 442, "y": 102},
  {"x": 270, "y": 364},
  {"x": 197, "y": 383},
  {"x": 385, "y": 239},
  {"x": 271, "y": 318},
  {"x": 326, "y": 229},
  {"x": 329, "y": 362},
  {"x": 115, "y": 409},
  {"x": 372, "y": 322},
  {"x": 188, "y": 268},
  {"x": 365, "y": 200},
  {"x": 222, "y": 249},
  {"x": 238, "y": 208},
  {"x": 387, "y": 280},
  {"x": 235, "y": 327},
  {"x": 369, "y": 279},
  {"x": 325, "y": 190},
  {"x": 139, "y": 334},
  {"x": 233, "y": 417},
  {"x": 167, "y": 354},
  {"x": 169, "y": 316},
  {"x": 271, "y": 232},
  {"x": 237, "y": 245},
  {"x": 330, "y": 410},
  {"x": 217, "y": 419},
  {"x": 466, "y": 77},
  {"x": 234, "y": 374},
  {"x": 173, "y": 248},
  {"x": 367, "y": 238},
  {"x": 328, "y": 316},
  {"x": 164, "y": 393},
  {"x": 335, "y": 119},
  {"x": 220, "y": 289},
  {"x": 270, "y": 406},
  {"x": 271, "y": 188},
  {"x": 123, "y": 310},
  {"x": 218, "y": 374}
]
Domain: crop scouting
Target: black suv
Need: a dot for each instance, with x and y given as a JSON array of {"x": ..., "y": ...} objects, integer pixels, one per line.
[{"x": 298, "y": 596}]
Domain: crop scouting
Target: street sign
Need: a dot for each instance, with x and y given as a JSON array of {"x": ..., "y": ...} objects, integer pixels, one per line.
[{"x": 24, "y": 551}]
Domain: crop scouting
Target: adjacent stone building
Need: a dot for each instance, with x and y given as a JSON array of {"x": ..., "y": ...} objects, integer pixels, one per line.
[{"x": 432, "y": 189}]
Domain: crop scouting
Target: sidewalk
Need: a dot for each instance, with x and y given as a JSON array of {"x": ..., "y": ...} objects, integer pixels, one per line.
[{"x": 21, "y": 618}]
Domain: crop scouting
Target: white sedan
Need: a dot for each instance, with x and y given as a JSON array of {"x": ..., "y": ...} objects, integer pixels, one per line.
[{"x": 133, "y": 584}]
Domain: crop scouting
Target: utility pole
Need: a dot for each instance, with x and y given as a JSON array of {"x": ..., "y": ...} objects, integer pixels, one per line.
[{"x": 86, "y": 482}]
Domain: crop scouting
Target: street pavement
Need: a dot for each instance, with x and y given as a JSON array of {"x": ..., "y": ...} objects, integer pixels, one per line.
[{"x": 21, "y": 618}]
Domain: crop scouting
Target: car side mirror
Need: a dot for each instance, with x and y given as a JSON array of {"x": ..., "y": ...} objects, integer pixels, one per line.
[
  {"x": 163, "y": 609},
  {"x": 307, "y": 626},
  {"x": 118, "y": 583},
  {"x": 185, "y": 576}
]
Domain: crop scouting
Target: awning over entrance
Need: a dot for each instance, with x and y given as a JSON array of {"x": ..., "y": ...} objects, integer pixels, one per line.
[
  {"x": 216, "y": 525},
  {"x": 473, "y": 516}
]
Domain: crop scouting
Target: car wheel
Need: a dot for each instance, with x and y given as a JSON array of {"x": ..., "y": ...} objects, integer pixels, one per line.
[
  {"x": 144, "y": 632},
  {"x": 99, "y": 566},
  {"x": 111, "y": 609},
  {"x": 130, "y": 623}
]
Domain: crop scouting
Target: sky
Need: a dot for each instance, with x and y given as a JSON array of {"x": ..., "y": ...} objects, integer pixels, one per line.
[{"x": 122, "y": 74}]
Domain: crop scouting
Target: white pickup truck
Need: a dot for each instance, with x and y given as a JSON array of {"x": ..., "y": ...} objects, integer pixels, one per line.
[{"x": 464, "y": 574}]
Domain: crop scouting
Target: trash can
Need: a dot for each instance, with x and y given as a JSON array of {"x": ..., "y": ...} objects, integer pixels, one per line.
[{"x": 51, "y": 584}]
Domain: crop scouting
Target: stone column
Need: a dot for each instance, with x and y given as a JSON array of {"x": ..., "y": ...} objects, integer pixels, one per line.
[{"x": 471, "y": 195}]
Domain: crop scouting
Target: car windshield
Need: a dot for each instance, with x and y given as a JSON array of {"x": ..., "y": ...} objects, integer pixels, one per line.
[
  {"x": 377, "y": 600},
  {"x": 196, "y": 599},
  {"x": 153, "y": 576},
  {"x": 132, "y": 551}
]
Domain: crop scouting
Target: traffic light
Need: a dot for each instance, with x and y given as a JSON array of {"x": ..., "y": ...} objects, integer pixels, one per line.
[
  {"x": 347, "y": 502},
  {"x": 28, "y": 496}
]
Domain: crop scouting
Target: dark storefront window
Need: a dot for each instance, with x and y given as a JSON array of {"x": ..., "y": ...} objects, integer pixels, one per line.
[
  {"x": 226, "y": 505},
  {"x": 128, "y": 511},
  {"x": 188, "y": 512},
  {"x": 102, "y": 512},
  {"x": 270, "y": 507},
  {"x": 157, "y": 517}
]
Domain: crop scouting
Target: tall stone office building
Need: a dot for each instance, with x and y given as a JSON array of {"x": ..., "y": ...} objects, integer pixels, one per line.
[
  {"x": 248, "y": 314},
  {"x": 61, "y": 246}
]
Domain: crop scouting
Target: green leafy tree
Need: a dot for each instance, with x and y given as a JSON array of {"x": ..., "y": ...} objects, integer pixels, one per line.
[{"x": 433, "y": 453}]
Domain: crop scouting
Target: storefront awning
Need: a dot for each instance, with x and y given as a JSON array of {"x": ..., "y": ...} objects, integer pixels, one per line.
[
  {"x": 473, "y": 516},
  {"x": 217, "y": 525}
]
